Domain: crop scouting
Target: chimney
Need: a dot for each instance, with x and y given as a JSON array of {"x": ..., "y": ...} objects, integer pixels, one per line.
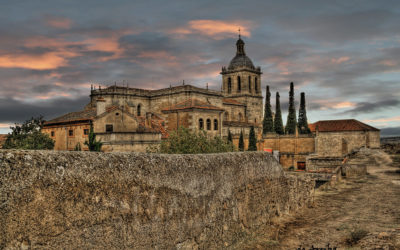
[{"x": 100, "y": 106}]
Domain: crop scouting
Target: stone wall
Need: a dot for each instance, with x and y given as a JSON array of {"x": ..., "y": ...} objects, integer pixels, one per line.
[
  {"x": 338, "y": 144},
  {"x": 92, "y": 200},
  {"x": 292, "y": 148}
]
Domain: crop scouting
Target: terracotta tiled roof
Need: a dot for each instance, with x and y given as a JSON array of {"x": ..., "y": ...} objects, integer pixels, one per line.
[
  {"x": 156, "y": 125},
  {"x": 82, "y": 115},
  {"x": 192, "y": 103},
  {"x": 341, "y": 125},
  {"x": 231, "y": 101},
  {"x": 2, "y": 139}
]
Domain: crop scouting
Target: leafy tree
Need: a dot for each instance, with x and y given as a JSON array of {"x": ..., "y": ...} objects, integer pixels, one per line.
[
  {"x": 291, "y": 123},
  {"x": 92, "y": 144},
  {"x": 278, "y": 123},
  {"x": 241, "y": 142},
  {"x": 28, "y": 136},
  {"x": 184, "y": 141},
  {"x": 268, "y": 123},
  {"x": 229, "y": 136},
  {"x": 303, "y": 123},
  {"x": 252, "y": 140}
]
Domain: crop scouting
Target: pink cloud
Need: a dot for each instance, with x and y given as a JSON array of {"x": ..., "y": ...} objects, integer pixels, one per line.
[
  {"x": 340, "y": 60},
  {"x": 58, "y": 22},
  {"x": 49, "y": 60},
  {"x": 215, "y": 28},
  {"x": 383, "y": 120}
]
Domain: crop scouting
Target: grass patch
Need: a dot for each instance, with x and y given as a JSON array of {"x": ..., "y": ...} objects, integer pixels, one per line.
[{"x": 355, "y": 236}]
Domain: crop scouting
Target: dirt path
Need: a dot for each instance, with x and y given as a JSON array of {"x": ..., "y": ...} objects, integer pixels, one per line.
[{"x": 368, "y": 206}]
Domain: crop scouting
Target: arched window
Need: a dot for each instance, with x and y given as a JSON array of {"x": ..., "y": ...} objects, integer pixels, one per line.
[
  {"x": 201, "y": 123},
  {"x": 139, "y": 109},
  {"x": 239, "y": 88},
  {"x": 208, "y": 124},
  {"x": 215, "y": 124},
  {"x": 240, "y": 117},
  {"x": 256, "y": 85},
  {"x": 226, "y": 116},
  {"x": 249, "y": 83},
  {"x": 229, "y": 85}
]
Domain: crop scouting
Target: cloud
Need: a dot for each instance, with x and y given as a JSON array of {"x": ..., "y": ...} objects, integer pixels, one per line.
[
  {"x": 392, "y": 131},
  {"x": 51, "y": 60},
  {"x": 383, "y": 120},
  {"x": 12, "y": 110},
  {"x": 367, "y": 107},
  {"x": 217, "y": 29},
  {"x": 58, "y": 22}
]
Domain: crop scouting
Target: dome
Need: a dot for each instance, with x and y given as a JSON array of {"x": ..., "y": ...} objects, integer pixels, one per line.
[{"x": 240, "y": 60}]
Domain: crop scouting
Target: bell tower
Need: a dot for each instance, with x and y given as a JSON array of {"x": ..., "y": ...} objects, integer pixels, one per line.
[
  {"x": 241, "y": 81},
  {"x": 241, "y": 78}
]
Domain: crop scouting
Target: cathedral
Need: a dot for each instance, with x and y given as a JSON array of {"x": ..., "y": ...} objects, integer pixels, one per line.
[{"x": 131, "y": 119}]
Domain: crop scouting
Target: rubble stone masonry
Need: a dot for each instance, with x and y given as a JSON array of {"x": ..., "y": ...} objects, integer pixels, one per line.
[{"x": 87, "y": 200}]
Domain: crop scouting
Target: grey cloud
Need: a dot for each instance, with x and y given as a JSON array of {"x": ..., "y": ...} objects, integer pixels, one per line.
[
  {"x": 12, "y": 110},
  {"x": 392, "y": 131},
  {"x": 367, "y": 107}
]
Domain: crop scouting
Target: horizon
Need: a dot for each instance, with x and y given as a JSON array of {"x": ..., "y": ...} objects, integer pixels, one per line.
[{"x": 344, "y": 56}]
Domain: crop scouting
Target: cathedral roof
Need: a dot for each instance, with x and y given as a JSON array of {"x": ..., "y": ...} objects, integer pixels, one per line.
[
  {"x": 84, "y": 115},
  {"x": 192, "y": 103},
  {"x": 240, "y": 60},
  {"x": 340, "y": 125}
]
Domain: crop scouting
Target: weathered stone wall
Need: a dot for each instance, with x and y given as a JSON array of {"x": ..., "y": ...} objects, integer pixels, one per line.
[
  {"x": 91, "y": 200},
  {"x": 292, "y": 149},
  {"x": 337, "y": 144}
]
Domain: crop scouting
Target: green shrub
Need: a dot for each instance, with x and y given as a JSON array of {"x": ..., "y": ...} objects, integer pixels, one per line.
[{"x": 28, "y": 136}]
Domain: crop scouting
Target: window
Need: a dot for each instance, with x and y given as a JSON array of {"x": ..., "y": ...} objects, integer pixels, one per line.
[
  {"x": 249, "y": 83},
  {"x": 255, "y": 85},
  {"x": 70, "y": 132},
  {"x": 52, "y": 133},
  {"x": 226, "y": 116},
  {"x": 208, "y": 124},
  {"x": 215, "y": 124},
  {"x": 109, "y": 128},
  {"x": 117, "y": 114},
  {"x": 239, "y": 88},
  {"x": 86, "y": 131},
  {"x": 201, "y": 123},
  {"x": 301, "y": 165},
  {"x": 139, "y": 107},
  {"x": 240, "y": 117},
  {"x": 229, "y": 85}
]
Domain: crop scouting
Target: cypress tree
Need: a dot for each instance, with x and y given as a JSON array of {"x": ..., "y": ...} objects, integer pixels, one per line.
[
  {"x": 229, "y": 136},
  {"x": 291, "y": 118},
  {"x": 268, "y": 123},
  {"x": 252, "y": 140},
  {"x": 241, "y": 142},
  {"x": 303, "y": 124},
  {"x": 278, "y": 124}
]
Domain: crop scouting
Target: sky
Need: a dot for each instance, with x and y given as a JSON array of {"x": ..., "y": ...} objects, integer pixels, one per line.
[{"x": 345, "y": 55}]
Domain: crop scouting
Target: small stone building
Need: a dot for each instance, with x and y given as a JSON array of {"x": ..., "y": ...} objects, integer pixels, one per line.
[{"x": 336, "y": 138}]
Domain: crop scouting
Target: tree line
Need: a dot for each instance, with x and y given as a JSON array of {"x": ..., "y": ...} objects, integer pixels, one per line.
[{"x": 273, "y": 124}]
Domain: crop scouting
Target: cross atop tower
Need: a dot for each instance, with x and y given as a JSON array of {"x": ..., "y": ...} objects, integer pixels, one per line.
[{"x": 239, "y": 32}]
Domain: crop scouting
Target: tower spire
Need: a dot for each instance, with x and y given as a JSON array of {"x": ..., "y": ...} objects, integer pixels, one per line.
[
  {"x": 239, "y": 32},
  {"x": 240, "y": 45}
]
